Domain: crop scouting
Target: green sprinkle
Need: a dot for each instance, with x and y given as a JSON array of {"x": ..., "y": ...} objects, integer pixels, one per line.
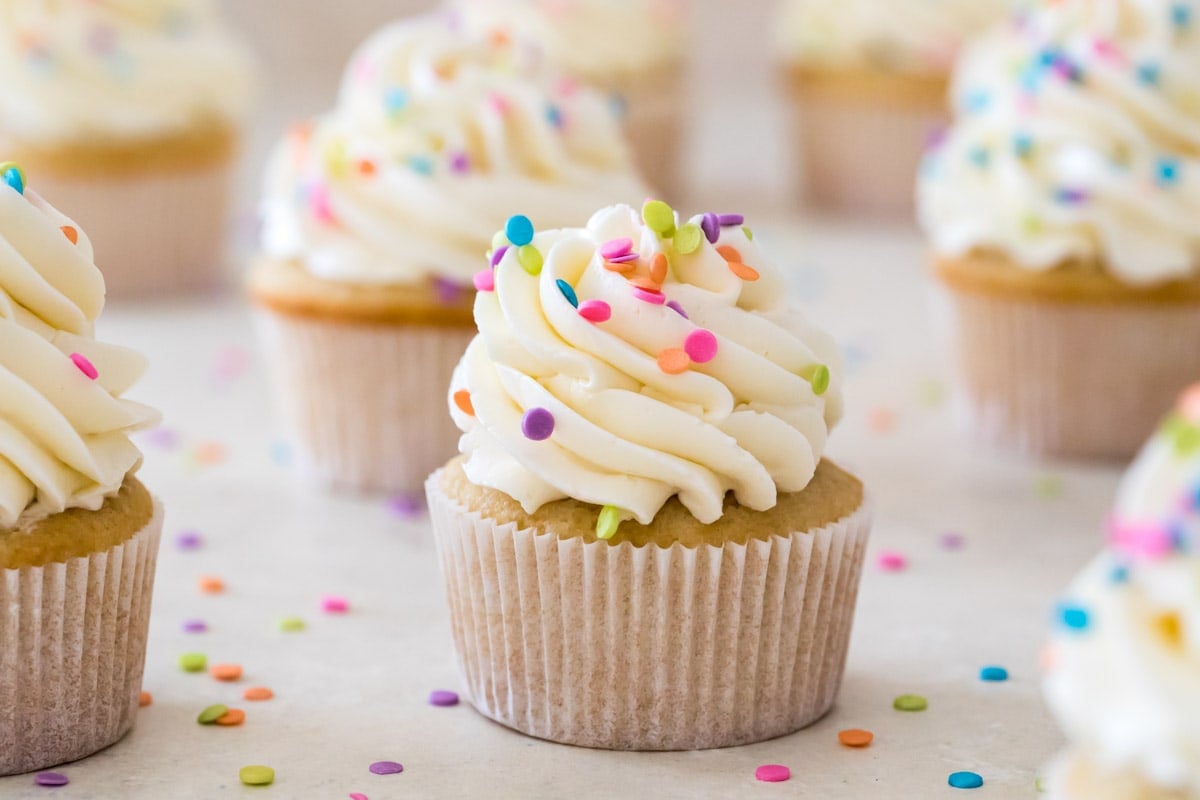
[
  {"x": 910, "y": 702},
  {"x": 568, "y": 292},
  {"x": 688, "y": 239},
  {"x": 1032, "y": 225},
  {"x": 530, "y": 259},
  {"x": 211, "y": 714},
  {"x": 499, "y": 240},
  {"x": 609, "y": 521},
  {"x": 256, "y": 775},
  {"x": 1048, "y": 487},
  {"x": 818, "y": 376},
  {"x": 660, "y": 218},
  {"x": 749, "y": 233},
  {"x": 291, "y": 624},
  {"x": 1039, "y": 785},
  {"x": 193, "y": 662}
]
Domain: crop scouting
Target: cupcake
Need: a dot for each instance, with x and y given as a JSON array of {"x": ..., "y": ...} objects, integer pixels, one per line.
[
  {"x": 375, "y": 218},
  {"x": 642, "y": 544},
  {"x": 128, "y": 113},
  {"x": 631, "y": 49},
  {"x": 1061, "y": 212},
  {"x": 868, "y": 82},
  {"x": 1122, "y": 675},
  {"x": 78, "y": 532}
]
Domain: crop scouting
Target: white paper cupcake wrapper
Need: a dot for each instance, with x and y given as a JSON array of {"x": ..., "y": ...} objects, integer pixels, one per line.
[
  {"x": 1067, "y": 379},
  {"x": 154, "y": 233},
  {"x": 72, "y": 650},
  {"x": 364, "y": 404},
  {"x": 631, "y": 648}
]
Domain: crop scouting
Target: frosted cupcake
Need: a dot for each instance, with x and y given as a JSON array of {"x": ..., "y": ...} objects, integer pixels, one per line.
[
  {"x": 376, "y": 216},
  {"x": 128, "y": 113},
  {"x": 632, "y": 49},
  {"x": 643, "y": 547},
  {"x": 1122, "y": 664},
  {"x": 78, "y": 532},
  {"x": 868, "y": 81},
  {"x": 1061, "y": 210}
]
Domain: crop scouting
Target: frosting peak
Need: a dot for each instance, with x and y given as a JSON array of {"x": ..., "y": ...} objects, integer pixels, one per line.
[
  {"x": 64, "y": 429},
  {"x": 640, "y": 358}
]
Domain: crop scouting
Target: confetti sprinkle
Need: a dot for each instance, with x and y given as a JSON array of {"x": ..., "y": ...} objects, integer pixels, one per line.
[
  {"x": 891, "y": 561},
  {"x": 993, "y": 674},
  {"x": 608, "y": 522},
  {"x": 193, "y": 662},
  {"x": 226, "y": 672},
  {"x": 386, "y": 768},
  {"x": 406, "y": 506},
  {"x": 965, "y": 780},
  {"x": 701, "y": 346},
  {"x": 231, "y": 718},
  {"x": 568, "y": 292},
  {"x": 659, "y": 217},
  {"x": 256, "y": 775},
  {"x": 678, "y": 309},
  {"x": 211, "y": 714},
  {"x": 910, "y": 702},
  {"x": 746, "y": 273},
  {"x": 195, "y": 626},
  {"x": 51, "y": 779},
  {"x": 291, "y": 625},
  {"x": 951, "y": 541},
  {"x": 334, "y": 604},
  {"x": 71, "y": 233},
  {"x": 145, "y": 699},
  {"x": 855, "y": 737},
  {"x": 358, "y": 796},
  {"x": 484, "y": 281},
  {"x": 772, "y": 773},
  {"x": 674, "y": 361},
  {"x": 84, "y": 365},
  {"x": 595, "y": 311},
  {"x": 462, "y": 399},
  {"x": 210, "y": 584},
  {"x": 537, "y": 424},
  {"x": 658, "y": 268},
  {"x": 616, "y": 248},
  {"x": 14, "y": 176},
  {"x": 498, "y": 254},
  {"x": 519, "y": 230},
  {"x": 1073, "y": 617},
  {"x": 443, "y": 697},
  {"x": 649, "y": 296},
  {"x": 189, "y": 540},
  {"x": 256, "y": 694},
  {"x": 530, "y": 259},
  {"x": 710, "y": 224},
  {"x": 688, "y": 239}
]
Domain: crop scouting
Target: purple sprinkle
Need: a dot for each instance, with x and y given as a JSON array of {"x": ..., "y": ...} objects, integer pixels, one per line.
[
  {"x": 449, "y": 293},
  {"x": 730, "y": 220},
  {"x": 936, "y": 137},
  {"x": 1072, "y": 196},
  {"x": 625, "y": 259},
  {"x": 537, "y": 424},
  {"x": 195, "y": 626},
  {"x": 407, "y": 506},
  {"x": 189, "y": 540},
  {"x": 952, "y": 541},
  {"x": 460, "y": 163},
  {"x": 387, "y": 768},
  {"x": 51, "y": 779},
  {"x": 162, "y": 438},
  {"x": 711, "y": 225},
  {"x": 499, "y": 255},
  {"x": 443, "y": 697},
  {"x": 678, "y": 309}
]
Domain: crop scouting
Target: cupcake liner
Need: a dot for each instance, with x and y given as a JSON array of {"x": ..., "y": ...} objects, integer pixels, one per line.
[
  {"x": 1071, "y": 379},
  {"x": 153, "y": 232},
  {"x": 364, "y": 403},
  {"x": 628, "y": 648},
  {"x": 72, "y": 648},
  {"x": 655, "y": 108}
]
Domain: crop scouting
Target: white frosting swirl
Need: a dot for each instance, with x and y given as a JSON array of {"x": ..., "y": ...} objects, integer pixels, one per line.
[
  {"x": 454, "y": 131},
  {"x": 1126, "y": 685},
  {"x": 77, "y": 69},
  {"x": 64, "y": 438},
  {"x": 1077, "y": 139},
  {"x": 625, "y": 432},
  {"x": 904, "y": 35},
  {"x": 593, "y": 39}
]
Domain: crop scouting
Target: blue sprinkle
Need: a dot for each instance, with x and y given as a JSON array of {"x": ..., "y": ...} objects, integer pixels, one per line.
[
  {"x": 993, "y": 674},
  {"x": 519, "y": 230},
  {"x": 977, "y": 100},
  {"x": 1074, "y": 617},
  {"x": 1022, "y": 145},
  {"x": 1181, "y": 15},
  {"x": 395, "y": 100},
  {"x": 1119, "y": 574},
  {"x": 554, "y": 116},
  {"x": 965, "y": 780},
  {"x": 421, "y": 164},
  {"x": 980, "y": 156},
  {"x": 1149, "y": 73},
  {"x": 14, "y": 178},
  {"x": 1166, "y": 171},
  {"x": 568, "y": 292}
]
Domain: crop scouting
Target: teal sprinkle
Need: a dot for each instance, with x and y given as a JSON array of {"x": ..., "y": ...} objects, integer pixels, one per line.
[
  {"x": 554, "y": 116},
  {"x": 1166, "y": 171},
  {"x": 395, "y": 101},
  {"x": 1022, "y": 145},
  {"x": 1074, "y": 617},
  {"x": 1181, "y": 15},
  {"x": 977, "y": 101},
  {"x": 980, "y": 156},
  {"x": 568, "y": 292},
  {"x": 421, "y": 164},
  {"x": 1149, "y": 73}
]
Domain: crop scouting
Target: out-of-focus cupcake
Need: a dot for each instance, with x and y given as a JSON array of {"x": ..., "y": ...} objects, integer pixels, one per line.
[
  {"x": 1122, "y": 676},
  {"x": 868, "y": 81},
  {"x": 128, "y": 113},
  {"x": 78, "y": 532},
  {"x": 632, "y": 49},
  {"x": 376, "y": 216},
  {"x": 643, "y": 547},
  {"x": 1061, "y": 207}
]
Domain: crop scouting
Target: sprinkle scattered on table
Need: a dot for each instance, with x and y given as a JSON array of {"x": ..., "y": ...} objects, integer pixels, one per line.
[
  {"x": 193, "y": 662},
  {"x": 226, "y": 672},
  {"x": 51, "y": 779},
  {"x": 993, "y": 674},
  {"x": 145, "y": 699},
  {"x": 211, "y": 714},
  {"x": 257, "y": 694},
  {"x": 965, "y": 780},
  {"x": 387, "y": 768},
  {"x": 855, "y": 737},
  {"x": 291, "y": 624},
  {"x": 910, "y": 702},
  {"x": 256, "y": 775},
  {"x": 334, "y": 604},
  {"x": 210, "y": 584},
  {"x": 891, "y": 561},
  {"x": 443, "y": 697},
  {"x": 772, "y": 773},
  {"x": 189, "y": 540}
]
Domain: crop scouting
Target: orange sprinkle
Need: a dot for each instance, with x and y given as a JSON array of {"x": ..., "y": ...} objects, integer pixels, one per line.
[
  {"x": 674, "y": 361},
  {"x": 462, "y": 399},
  {"x": 658, "y": 268},
  {"x": 624, "y": 266},
  {"x": 145, "y": 699},
  {"x": 234, "y": 716},
  {"x": 210, "y": 584},
  {"x": 649, "y": 284},
  {"x": 226, "y": 672},
  {"x": 367, "y": 168},
  {"x": 729, "y": 253},
  {"x": 500, "y": 37},
  {"x": 742, "y": 271},
  {"x": 71, "y": 234},
  {"x": 851, "y": 738},
  {"x": 257, "y": 693}
]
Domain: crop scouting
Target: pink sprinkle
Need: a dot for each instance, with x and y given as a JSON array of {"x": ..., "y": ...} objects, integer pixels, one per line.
[
  {"x": 595, "y": 311},
  {"x": 891, "y": 561},
  {"x": 701, "y": 346},
  {"x": 485, "y": 281},
  {"x": 334, "y": 604},
  {"x": 567, "y": 87},
  {"x": 357, "y": 796},
  {"x": 616, "y": 248},
  {"x": 1107, "y": 49},
  {"x": 85, "y": 366},
  {"x": 654, "y": 298},
  {"x": 1140, "y": 541},
  {"x": 498, "y": 103},
  {"x": 772, "y": 773},
  {"x": 318, "y": 198}
]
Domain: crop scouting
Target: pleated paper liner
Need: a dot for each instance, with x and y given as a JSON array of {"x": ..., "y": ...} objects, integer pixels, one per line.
[
  {"x": 72, "y": 649},
  {"x": 364, "y": 403},
  {"x": 1071, "y": 379},
  {"x": 648, "y": 648}
]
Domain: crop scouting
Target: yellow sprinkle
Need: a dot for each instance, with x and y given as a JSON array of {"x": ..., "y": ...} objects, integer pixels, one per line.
[
  {"x": 609, "y": 521},
  {"x": 530, "y": 259},
  {"x": 1170, "y": 629},
  {"x": 659, "y": 217}
]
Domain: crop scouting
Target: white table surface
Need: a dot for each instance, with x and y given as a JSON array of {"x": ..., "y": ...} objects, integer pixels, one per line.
[{"x": 351, "y": 690}]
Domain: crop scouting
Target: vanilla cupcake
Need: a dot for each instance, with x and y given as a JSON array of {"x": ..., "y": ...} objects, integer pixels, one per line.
[
  {"x": 375, "y": 218},
  {"x": 632, "y": 49},
  {"x": 1061, "y": 211},
  {"x": 868, "y": 81},
  {"x": 128, "y": 113},
  {"x": 642, "y": 545},
  {"x": 1122, "y": 675},
  {"x": 78, "y": 532}
]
